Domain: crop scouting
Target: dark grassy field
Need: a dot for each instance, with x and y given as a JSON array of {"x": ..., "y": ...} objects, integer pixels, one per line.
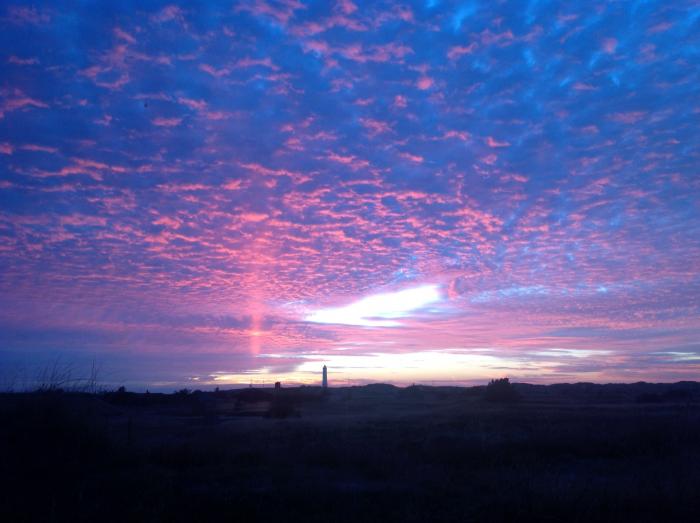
[{"x": 376, "y": 453}]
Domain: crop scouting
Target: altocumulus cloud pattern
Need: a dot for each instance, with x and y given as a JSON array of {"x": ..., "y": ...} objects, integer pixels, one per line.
[{"x": 404, "y": 190}]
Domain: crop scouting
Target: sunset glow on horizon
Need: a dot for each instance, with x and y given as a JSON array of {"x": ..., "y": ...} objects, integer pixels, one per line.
[{"x": 408, "y": 192}]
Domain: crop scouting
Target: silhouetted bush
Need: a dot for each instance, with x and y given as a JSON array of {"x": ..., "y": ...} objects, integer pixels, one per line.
[{"x": 501, "y": 391}]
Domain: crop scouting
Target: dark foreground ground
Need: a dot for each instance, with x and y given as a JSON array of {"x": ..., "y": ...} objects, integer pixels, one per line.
[{"x": 376, "y": 453}]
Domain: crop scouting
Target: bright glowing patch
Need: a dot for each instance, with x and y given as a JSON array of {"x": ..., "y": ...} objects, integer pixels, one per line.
[
  {"x": 379, "y": 310},
  {"x": 571, "y": 353},
  {"x": 680, "y": 356}
]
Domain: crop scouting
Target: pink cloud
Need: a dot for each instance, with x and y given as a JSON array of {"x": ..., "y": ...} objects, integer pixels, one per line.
[
  {"x": 21, "y": 15},
  {"x": 298, "y": 177},
  {"x": 590, "y": 129},
  {"x": 82, "y": 219},
  {"x": 609, "y": 45},
  {"x": 515, "y": 178},
  {"x": 502, "y": 39},
  {"x": 424, "y": 83},
  {"x": 454, "y": 53},
  {"x": 183, "y": 187},
  {"x": 218, "y": 115},
  {"x": 317, "y": 46},
  {"x": 282, "y": 11},
  {"x": 375, "y": 127},
  {"x": 630, "y": 117},
  {"x": 491, "y": 142},
  {"x": 294, "y": 143},
  {"x": 169, "y": 13},
  {"x": 403, "y": 13},
  {"x": 313, "y": 28},
  {"x": 115, "y": 84},
  {"x": 460, "y": 135},
  {"x": 111, "y": 65},
  {"x": 166, "y": 122},
  {"x": 85, "y": 166},
  {"x": 232, "y": 185},
  {"x": 411, "y": 157},
  {"x": 400, "y": 102},
  {"x": 92, "y": 164},
  {"x": 352, "y": 161},
  {"x": 252, "y": 62},
  {"x": 22, "y": 61},
  {"x": 253, "y": 217},
  {"x": 660, "y": 28},
  {"x": 39, "y": 148},
  {"x": 105, "y": 120},
  {"x": 377, "y": 53},
  {"x": 347, "y": 6},
  {"x": 197, "y": 105},
  {"x": 364, "y": 102},
  {"x": 217, "y": 73},
  {"x": 16, "y": 100},
  {"x": 123, "y": 35},
  {"x": 168, "y": 222}
]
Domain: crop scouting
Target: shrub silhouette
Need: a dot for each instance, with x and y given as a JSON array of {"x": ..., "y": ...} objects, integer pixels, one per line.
[{"x": 500, "y": 391}]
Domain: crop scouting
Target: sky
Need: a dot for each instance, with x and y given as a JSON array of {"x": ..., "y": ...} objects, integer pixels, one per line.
[{"x": 408, "y": 192}]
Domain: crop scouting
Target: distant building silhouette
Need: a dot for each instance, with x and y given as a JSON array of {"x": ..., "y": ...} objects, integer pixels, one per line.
[
  {"x": 325, "y": 377},
  {"x": 278, "y": 384}
]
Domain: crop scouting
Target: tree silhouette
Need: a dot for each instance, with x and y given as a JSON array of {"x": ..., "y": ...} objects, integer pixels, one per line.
[{"x": 501, "y": 391}]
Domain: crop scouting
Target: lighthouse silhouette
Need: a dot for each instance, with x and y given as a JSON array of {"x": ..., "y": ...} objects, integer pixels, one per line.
[{"x": 325, "y": 377}]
